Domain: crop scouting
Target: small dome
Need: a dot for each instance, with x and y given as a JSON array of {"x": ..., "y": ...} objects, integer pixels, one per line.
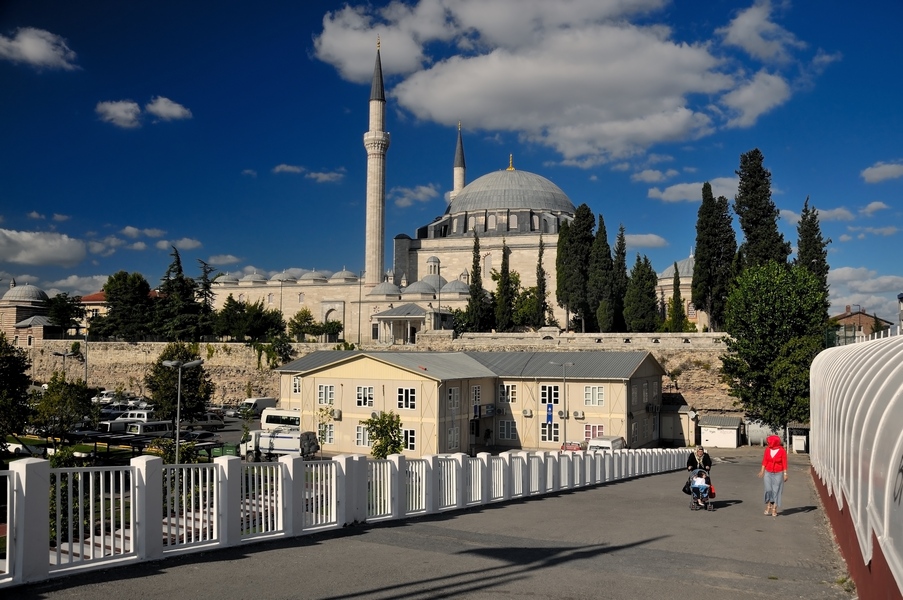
[
  {"x": 419, "y": 287},
  {"x": 434, "y": 281},
  {"x": 684, "y": 269},
  {"x": 511, "y": 189},
  {"x": 313, "y": 276},
  {"x": 226, "y": 278},
  {"x": 386, "y": 288},
  {"x": 456, "y": 286},
  {"x": 344, "y": 275},
  {"x": 283, "y": 277},
  {"x": 25, "y": 293},
  {"x": 254, "y": 278}
]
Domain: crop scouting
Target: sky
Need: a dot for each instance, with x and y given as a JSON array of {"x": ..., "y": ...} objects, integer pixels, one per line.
[{"x": 233, "y": 130}]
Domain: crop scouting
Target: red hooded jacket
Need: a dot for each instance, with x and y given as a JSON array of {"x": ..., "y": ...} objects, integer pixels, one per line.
[{"x": 778, "y": 462}]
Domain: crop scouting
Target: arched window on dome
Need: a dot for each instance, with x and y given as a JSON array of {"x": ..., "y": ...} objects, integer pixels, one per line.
[
  {"x": 545, "y": 226},
  {"x": 492, "y": 221},
  {"x": 465, "y": 277},
  {"x": 454, "y": 225},
  {"x": 535, "y": 224},
  {"x": 512, "y": 222},
  {"x": 271, "y": 298},
  {"x": 471, "y": 223}
]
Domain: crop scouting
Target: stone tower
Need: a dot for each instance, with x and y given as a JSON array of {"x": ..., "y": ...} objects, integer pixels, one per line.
[
  {"x": 458, "y": 177},
  {"x": 376, "y": 141}
]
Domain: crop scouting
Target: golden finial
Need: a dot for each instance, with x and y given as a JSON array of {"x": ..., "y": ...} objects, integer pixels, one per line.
[
  {"x": 377, "y": 41},
  {"x": 510, "y": 162}
]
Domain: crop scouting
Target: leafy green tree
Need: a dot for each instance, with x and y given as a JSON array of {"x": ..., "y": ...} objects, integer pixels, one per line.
[
  {"x": 506, "y": 293},
  {"x": 162, "y": 384},
  {"x": 600, "y": 283},
  {"x": 14, "y": 382},
  {"x": 300, "y": 325},
  {"x": 478, "y": 315},
  {"x": 640, "y": 302},
  {"x": 676, "y": 321},
  {"x": 619, "y": 282},
  {"x": 757, "y": 213},
  {"x": 262, "y": 324},
  {"x": 716, "y": 248},
  {"x": 384, "y": 431},
  {"x": 812, "y": 250},
  {"x": 62, "y": 406},
  {"x": 129, "y": 308},
  {"x": 231, "y": 320},
  {"x": 774, "y": 326},
  {"x": 177, "y": 311},
  {"x": 65, "y": 312}
]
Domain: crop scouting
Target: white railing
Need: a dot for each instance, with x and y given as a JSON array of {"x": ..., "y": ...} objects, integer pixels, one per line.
[
  {"x": 8, "y": 489},
  {"x": 149, "y": 510}
]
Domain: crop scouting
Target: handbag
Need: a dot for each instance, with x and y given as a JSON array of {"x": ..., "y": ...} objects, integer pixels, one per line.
[
  {"x": 711, "y": 491},
  {"x": 686, "y": 488}
]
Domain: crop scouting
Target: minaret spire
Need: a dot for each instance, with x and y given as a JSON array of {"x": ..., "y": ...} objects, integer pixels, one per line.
[
  {"x": 376, "y": 141},
  {"x": 460, "y": 169}
]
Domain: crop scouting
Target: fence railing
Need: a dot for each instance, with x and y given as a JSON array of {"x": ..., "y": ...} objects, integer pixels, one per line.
[{"x": 78, "y": 519}]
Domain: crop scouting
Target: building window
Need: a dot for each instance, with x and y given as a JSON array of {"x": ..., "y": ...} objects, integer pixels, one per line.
[
  {"x": 645, "y": 392},
  {"x": 691, "y": 311},
  {"x": 374, "y": 332},
  {"x": 16, "y": 341},
  {"x": 535, "y": 219},
  {"x": 633, "y": 395},
  {"x": 507, "y": 430},
  {"x": 454, "y": 398},
  {"x": 327, "y": 433},
  {"x": 548, "y": 432},
  {"x": 271, "y": 298},
  {"x": 471, "y": 223},
  {"x": 454, "y": 225},
  {"x": 241, "y": 297},
  {"x": 364, "y": 395},
  {"x": 301, "y": 298},
  {"x": 646, "y": 428},
  {"x": 593, "y": 431},
  {"x": 548, "y": 394},
  {"x": 454, "y": 438},
  {"x": 475, "y": 395},
  {"x": 634, "y": 428},
  {"x": 30, "y": 340},
  {"x": 492, "y": 221},
  {"x": 325, "y": 394},
  {"x": 654, "y": 390},
  {"x": 593, "y": 395},
  {"x": 512, "y": 222},
  {"x": 507, "y": 392},
  {"x": 361, "y": 436},
  {"x": 407, "y": 398},
  {"x": 410, "y": 439},
  {"x": 296, "y": 385}
]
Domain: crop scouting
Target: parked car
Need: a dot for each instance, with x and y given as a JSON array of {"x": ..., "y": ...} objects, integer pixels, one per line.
[
  {"x": 573, "y": 446},
  {"x": 607, "y": 442},
  {"x": 208, "y": 421},
  {"x": 200, "y": 436}
]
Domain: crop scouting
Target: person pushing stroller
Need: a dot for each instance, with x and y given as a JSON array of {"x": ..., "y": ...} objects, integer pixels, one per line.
[{"x": 701, "y": 491}]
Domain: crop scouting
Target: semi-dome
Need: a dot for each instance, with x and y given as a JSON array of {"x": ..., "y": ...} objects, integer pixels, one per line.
[
  {"x": 25, "y": 293},
  {"x": 511, "y": 189}
]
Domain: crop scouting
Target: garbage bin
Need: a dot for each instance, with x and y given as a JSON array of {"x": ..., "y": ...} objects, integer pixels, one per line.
[{"x": 799, "y": 444}]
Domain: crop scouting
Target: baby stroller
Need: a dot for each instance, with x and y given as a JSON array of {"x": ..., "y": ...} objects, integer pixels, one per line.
[{"x": 700, "y": 496}]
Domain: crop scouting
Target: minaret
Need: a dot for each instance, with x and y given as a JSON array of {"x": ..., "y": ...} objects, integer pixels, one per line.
[
  {"x": 376, "y": 141},
  {"x": 458, "y": 175}
]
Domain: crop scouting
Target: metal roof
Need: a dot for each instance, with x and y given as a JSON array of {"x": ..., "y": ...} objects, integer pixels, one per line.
[
  {"x": 720, "y": 422},
  {"x": 586, "y": 365},
  {"x": 405, "y": 310},
  {"x": 434, "y": 365}
]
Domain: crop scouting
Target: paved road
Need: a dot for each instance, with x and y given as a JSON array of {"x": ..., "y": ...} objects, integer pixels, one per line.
[{"x": 627, "y": 540}]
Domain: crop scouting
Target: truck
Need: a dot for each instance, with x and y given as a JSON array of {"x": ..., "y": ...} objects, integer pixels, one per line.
[
  {"x": 253, "y": 406},
  {"x": 260, "y": 444}
]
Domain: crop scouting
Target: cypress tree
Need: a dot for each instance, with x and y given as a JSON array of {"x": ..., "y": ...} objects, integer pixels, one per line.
[
  {"x": 573, "y": 272},
  {"x": 677, "y": 316},
  {"x": 640, "y": 301},
  {"x": 757, "y": 213},
  {"x": 716, "y": 248},
  {"x": 538, "y": 319},
  {"x": 504, "y": 295},
  {"x": 619, "y": 282},
  {"x": 601, "y": 272},
  {"x": 812, "y": 249},
  {"x": 478, "y": 312}
]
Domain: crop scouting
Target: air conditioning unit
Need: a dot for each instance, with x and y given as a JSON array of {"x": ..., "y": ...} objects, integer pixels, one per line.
[
  {"x": 336, "y": 414},
  {"x": 527, "y": 412},
  {"x": 578, "y": 414},
  {"x": 562, "y": 414},
  {"x": 375, "y": 414},
  {"x": 500, "y": 410}
]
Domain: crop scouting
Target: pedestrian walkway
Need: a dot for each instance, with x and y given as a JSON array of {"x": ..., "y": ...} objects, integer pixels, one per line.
[{"x": 625, "y": 540}]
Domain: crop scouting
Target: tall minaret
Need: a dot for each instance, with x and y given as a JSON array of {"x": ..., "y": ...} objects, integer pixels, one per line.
[
  {"x": 376, "y": 141},
  {"x": 458, "y": 175}
]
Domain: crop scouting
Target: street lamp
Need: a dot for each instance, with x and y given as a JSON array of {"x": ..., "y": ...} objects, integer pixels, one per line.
[
  {"x": 564, "y": 386},
  {"x": 64, "y": 355},
  {"x": 178, "y": 364}
]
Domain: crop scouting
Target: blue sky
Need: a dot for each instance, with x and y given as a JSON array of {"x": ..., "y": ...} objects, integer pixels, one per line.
[{"x": 233, "y": 130}]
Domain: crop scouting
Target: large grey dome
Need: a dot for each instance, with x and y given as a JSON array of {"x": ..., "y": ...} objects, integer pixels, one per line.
[
  {"x": 25, "y": 293},
  {"x": 511, "y": 189}
]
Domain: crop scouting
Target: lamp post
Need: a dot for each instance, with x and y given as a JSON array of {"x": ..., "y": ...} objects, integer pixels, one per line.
[
  {"x": 86, "y": 357},
  {"x": 360, "y": 306},
  {"x": 564, "y": 393},
  {"x": 64, "y": 355},
  {"x": 178, "y": 364}
]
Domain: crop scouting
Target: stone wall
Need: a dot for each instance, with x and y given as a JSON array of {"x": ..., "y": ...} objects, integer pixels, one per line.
[{"x": 693, "y": 358}]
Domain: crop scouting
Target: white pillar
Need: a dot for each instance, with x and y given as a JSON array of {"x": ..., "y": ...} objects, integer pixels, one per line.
[
  {"x": 352, "y": 505},
  {"x": 432, "y": 484},
  {"x": 148, "y": 507},
  {"x": 230, "y": 473},
  {"x": 486, "y": 479},
  {"x": 460, "y": 479},
  {"x": 32, "y": 527},
  {"x": 294, "y": 494},
  {"x": 399, "y": 485},
  {"x": 553, "y": 468}
]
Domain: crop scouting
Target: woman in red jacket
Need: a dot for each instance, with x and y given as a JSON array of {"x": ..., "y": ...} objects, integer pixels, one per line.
[{"x": 774, "y": 474}]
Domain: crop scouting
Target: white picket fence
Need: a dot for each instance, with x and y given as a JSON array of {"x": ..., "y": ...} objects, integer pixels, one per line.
[{"x": 118, "y": 515}]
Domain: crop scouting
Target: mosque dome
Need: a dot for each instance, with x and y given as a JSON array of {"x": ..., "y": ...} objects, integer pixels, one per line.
[
  {"x": 25, "y": 293},
  {"x": 386, "y": 288},
  {"x": 314, "y": 276},
  {"x": 456, "y": 286},
  {"x": 282, "y": 277},
  {"x": 344, "y": 275},
  {"x": 253, "y": 278},
  {"x": 419, "y": 287},
  {"x": 226, "y": 279},
  {"x": 434, "y": 281},
  {"x": 511, "y": 189},
  {"x": 684, "y": 269}
]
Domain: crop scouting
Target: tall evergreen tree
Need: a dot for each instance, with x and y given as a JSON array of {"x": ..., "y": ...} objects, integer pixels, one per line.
[
  {"x": 677, "y": 316},
  {"x": 812, "y": 249},
  {"x": 14, "y": 381},
  {"x": 206, "y": 297},
  {"x": 757, "y": 213},
  {"x": 505, "y": 294},
  {"x": 562, "y": 270},
  {"x": 716, "y": 248},
  {"x": 619, "y": 281},
  {"x": 129, "y": 308},
  {"x": 65, "y": 311},
  {"x": 177, "y": 309},
  {"x": 478, "y": 314},
  {"x": 573, "y": 263},
  {"x": 601, "y": 273},
  {"x": 538, "y": 315},
  {"x": 640, "y": 301}
]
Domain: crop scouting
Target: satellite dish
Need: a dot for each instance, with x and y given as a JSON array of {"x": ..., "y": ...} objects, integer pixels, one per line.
[{"x": 692, "y": 414}]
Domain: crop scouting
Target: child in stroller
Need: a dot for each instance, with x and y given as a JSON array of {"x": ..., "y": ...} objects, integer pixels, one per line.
[{"x": 700, "y": 490}]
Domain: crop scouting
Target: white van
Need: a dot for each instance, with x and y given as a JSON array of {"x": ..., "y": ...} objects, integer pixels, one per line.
[
  {"x": 606, "y": 442},
  {"x": 279, "y": 418},
  {"x": 151, "y": 428},
  {"x": 252, "y": 406},
  {"x": 137, "y": 415}
]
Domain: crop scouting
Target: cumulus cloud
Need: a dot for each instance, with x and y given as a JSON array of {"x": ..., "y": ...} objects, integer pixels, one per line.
[
  {"x": 284, "y": 168},
  {"x": 404, "y": 196},
  {"x": 692, "y": 192},
  {"x": 222, "y": 259},
  {"x": 60, "y": 218},
  {"x": 167, "y": 110},
  {"x": 106, "y": 246},
  {"x": 121, "y": 113},
  {"x": 754, "y": 31},
  {"x": 137, "y": 246},
  {"x": 249, "y": 172},
  {"x": 789, "y": 216},
  {"x": 882, "y": 171},
  {"x": 755, "y": 97},
  {"x": 37, "y": 48},
  {"x": 644, "y": 240},
  {"x": 180, "y": 244},
  {"x": 835, "y": 214},
  {"x": 326, "y": 176},
  {"x": 879, "y": 231},
  {"x": 653, "y": 175},
  {"x": 134, "y": 232},
  {"x": 78, "y": 284},
  {"x": 39, "y": 248},
  {"x": 873, "y": 207},
  {"x": 36, "y": 215}
]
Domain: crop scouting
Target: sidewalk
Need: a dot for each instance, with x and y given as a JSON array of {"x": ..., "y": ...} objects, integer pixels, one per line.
[{"x": 626, "y": 540}]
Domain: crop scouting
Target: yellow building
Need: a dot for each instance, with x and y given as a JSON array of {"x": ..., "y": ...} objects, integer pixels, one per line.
[{"x": 459, "y": 401}]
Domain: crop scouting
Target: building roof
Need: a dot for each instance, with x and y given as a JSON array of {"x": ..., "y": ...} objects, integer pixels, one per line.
[
  {"x": 24, "y": 293},
  {"x": 684, "y": 269},
  {"x": 720, "y": 422},
  {"x": 433, "y": 365},
  {"x": 511, "y": 189},
  {"x": 36, "y": 321},
  {"x": 404, "y": 310}
]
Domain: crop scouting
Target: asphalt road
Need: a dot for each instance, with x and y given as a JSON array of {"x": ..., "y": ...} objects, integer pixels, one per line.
[{"x": 627, "y": 540}]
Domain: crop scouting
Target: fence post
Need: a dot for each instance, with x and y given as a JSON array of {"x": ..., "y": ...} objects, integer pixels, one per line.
[
  {"x": 293, "y": 467},
  {"x": 506, "y": 476},
  {"x": 148, "y": 507},
  {"x": 432, "y": 484},
  {"x": 32, "y": 527},
  {"x": 398, "y": 485},
  {"x": 229, "y": 513},
  {"x": 460, "y": 479},
  {"x": 352, "y": 503},
  {"x": 553, "y": 471},
  {"x": 486, "y": 480}
]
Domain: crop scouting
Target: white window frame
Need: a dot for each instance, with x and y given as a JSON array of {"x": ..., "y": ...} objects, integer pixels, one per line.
[
  {"x": 645, "y": 392},
  {"x": 508, "y": 430},
  {"x": 296, "y": 385},
  {"x": 365, "y": 395},
  {"x": 362, "y": 436},
  {"x": 409, "y": 439},
  {"x": 634, "y": 433},
  {"x": 548, "y": 432},
  {"x": 549, "y": 394},
  {"x": 407, "y": 398},
  {"x": 327, "y": 433},
  {"x": 508, "y": 392},
  {"x": 593, "y": 430},
  {"x": 454, "y": 398},
  {"x": 593, "y": 395},
  {"x": 325, "y": 394},
  {"x": 454, "y": 437},
  {"x": 475, "y": 393},
  {"x": 633, "y": 394}
]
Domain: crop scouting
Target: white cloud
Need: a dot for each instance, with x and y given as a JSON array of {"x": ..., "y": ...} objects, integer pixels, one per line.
[
  {"x": 106, "y": 246},
  {"x": 137, "y": 246},
  {"x": 644, "y": 240},
  {"x": 753, "y": 31},
  {"x": 845, "y": 237},
  {"x": 404, "y": 197},
  {"x": 872, "y": 207},
  {"x": 185, "y": 244},
  {"x": 882, "y": 171},
  {"x": 40, "y": 248},
  {"x": 166, "y": 109},
  {"x": 78, "y": 285},
  {"x": 37, "y": 48},
  {"x": 60, "y": 218},
  {"x": 249, "y": 172},
  {"x": 653, "y": 175},
  {"x": 789, "y": 216},
  {"x": 36, "y": 215},
  {"x": 835, "y": 214},
  {"x": 284, "y": 168},
  {"x": 755, "y": 97},
  {"x": 692, "y": 192},
  {"x": 122, "y": 113},
  {"x": 222, "y": 259},
  {"x": 134, "y": 232},
  {"x": 326, "y": 176},
  {"x": 882, "y": 231}
]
